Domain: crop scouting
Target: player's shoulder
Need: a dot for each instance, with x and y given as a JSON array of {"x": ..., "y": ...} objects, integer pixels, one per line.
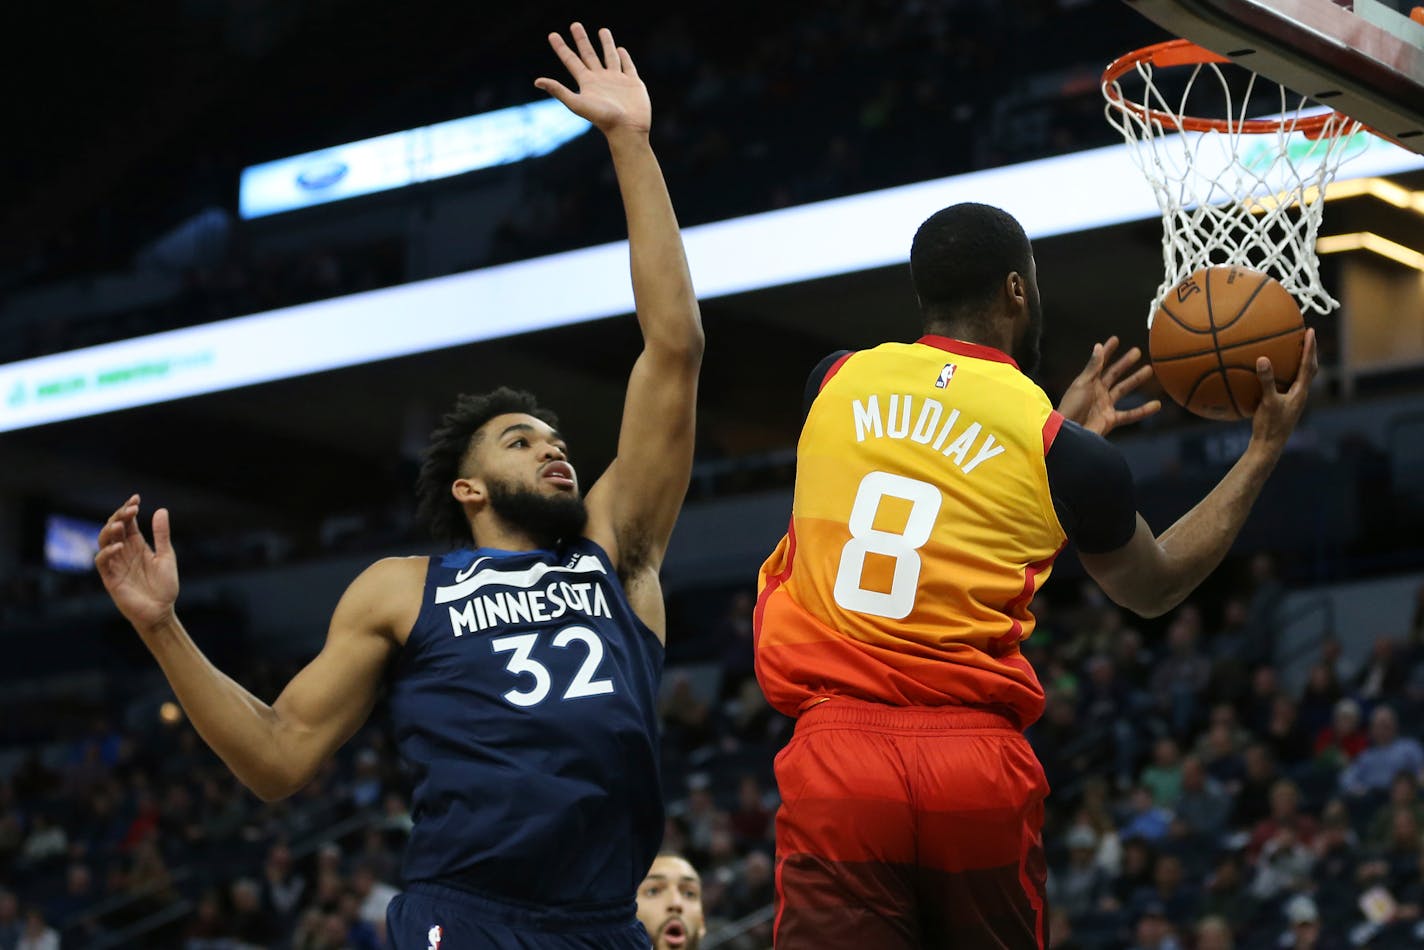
[
  {"x": 385, "y": 598},
  {"x": 391, "y": 574}
]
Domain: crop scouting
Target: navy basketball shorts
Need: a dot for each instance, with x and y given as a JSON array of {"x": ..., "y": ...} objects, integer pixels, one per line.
[{"x": 429, "y": 916}]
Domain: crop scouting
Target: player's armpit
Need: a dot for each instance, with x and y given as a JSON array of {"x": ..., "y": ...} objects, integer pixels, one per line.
[{"x": 331, "y": 697}]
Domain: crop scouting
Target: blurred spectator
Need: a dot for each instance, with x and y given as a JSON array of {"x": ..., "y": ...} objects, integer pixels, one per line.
[
  {"x": 1303, "y": 921},
  {"x": 1136, "y": 877},
  {"x": 1181, "y": 676},
  {"x": 10, "y": 923},
  {"x": 282, "y": 888},
  {"x": 734, "y": 634},
  {"x": 1214, "y": 933},
  {"x": 1105, "y": 712},
  {"x": 1289, "y": 742},
  {"x": 1144, "y": 819},
  {"x": 1383, "y": 675},
  {"x": 45, "y": 842},
  {"x": 1253, "y": 799},
  {"x": 1226, "y": 894},
  {"x": 753, "y": 888},
  {"x": 1283, "y": 866},
  {"x": 1079, "y": 886},
  {"x": 1204, "y": 805},
  {"x": 1403, "y": 796},
  {"x": 1260, "y": 699},
  {"x": 366, "y": 787},
  {"x": 207, "y": 926},
  {"x": 1153, "y": 931},
  {"x": 1164, "y": 776},
  {"x": 250, "y": 921},
  {"x": 374, "y": 894},
  {"x": 1318, "y": 699},
  {"x": 1178, "y": 899},
  {"x": 751, "y": 822},
  {"x": 1389, "y": 754},
  {"x": 1220, "y": 752},
  {"x": 685, "y": 714},
  {"x": 1285, "y": 819},
  {"x": 37, "y": 934},
  {"x": 1344, "y": 738}
]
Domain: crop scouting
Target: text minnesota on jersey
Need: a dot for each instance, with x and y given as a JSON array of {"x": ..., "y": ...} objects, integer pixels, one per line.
[{"x": 557, "y": 596}]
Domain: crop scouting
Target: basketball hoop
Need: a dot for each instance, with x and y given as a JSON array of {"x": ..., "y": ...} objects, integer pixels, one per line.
[{"x": 1233, "y": 190}]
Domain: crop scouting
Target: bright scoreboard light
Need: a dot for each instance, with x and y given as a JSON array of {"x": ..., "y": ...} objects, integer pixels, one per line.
[{"x": 1052, "y": 196}]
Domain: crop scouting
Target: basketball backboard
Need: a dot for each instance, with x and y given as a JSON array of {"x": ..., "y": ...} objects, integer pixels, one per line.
[{"x": 1363, "y": 58}]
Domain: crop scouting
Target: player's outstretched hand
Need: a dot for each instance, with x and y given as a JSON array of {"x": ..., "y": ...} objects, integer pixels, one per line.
[
  {"x": 610, "y": 94},
  {"x": 1275, "y": 418},
  {"x": 1091, "y": 401},
  {"x": 142, "y": 580}
]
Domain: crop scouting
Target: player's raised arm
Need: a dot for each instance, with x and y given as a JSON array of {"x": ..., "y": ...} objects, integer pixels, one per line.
[
  {"x": 633, "y": 507},
  {"x": 1151, "y": 575},
  {"x": 273, "y": 750}
]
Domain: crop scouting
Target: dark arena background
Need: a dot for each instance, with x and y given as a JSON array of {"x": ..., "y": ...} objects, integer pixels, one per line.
[{"x": 1243, "y": 771}]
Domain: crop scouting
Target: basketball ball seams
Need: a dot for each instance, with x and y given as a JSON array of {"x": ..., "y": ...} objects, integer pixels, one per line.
[
  {"x": 1208, "y": 374},
  {"x": 1265, "y": 279},
  {"x": 1230, "y": 346},
  {"x": 1217, "y": 324},
  {"x": 1216, "y": 345},
  {"x": 1178, "y": 320}
]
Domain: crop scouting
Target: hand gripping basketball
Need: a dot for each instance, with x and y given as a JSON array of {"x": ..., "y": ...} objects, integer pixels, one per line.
[{"x": 1276, "y": 417}]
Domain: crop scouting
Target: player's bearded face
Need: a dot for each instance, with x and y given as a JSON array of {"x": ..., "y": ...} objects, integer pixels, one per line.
[
  {"x": 547, "y": 518},
  {"x": 1027, "y": 354}
]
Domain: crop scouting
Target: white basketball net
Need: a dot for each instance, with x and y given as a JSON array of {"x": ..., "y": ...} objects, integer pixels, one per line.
[{"x": 1231, "y": 196}]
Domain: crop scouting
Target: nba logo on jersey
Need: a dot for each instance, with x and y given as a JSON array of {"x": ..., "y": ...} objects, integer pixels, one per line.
[
  {"x": 434, "y": 938},
  {"x": 945, "y": 375}
]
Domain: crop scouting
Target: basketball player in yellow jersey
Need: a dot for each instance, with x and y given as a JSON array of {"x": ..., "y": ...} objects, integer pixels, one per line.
[{"x": 935, "y": 484}]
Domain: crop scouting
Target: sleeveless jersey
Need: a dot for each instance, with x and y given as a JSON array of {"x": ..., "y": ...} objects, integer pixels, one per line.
[
  {"x": 525, "y": 702},
  {"x": 921, "y": 527}
]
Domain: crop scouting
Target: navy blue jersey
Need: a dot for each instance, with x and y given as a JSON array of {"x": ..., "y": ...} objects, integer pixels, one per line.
[{"x": 525, "y": 700}]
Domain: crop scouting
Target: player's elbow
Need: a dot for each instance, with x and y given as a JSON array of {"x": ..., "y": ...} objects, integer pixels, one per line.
[
  {"x": 685, "y": 346},
  {"x": 1147, "y": 597},
  {"x": 273, "y": 785}
]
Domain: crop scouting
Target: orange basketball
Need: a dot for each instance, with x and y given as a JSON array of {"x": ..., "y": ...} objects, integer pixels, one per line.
[{"x": 1208, "y": 332}]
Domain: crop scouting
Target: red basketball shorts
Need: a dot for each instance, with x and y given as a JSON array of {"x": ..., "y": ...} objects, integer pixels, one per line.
[{"x": 908, "y": 828}]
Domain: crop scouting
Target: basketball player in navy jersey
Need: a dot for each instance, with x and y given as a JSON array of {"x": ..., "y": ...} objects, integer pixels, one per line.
[{"x": 522, "y": 666}]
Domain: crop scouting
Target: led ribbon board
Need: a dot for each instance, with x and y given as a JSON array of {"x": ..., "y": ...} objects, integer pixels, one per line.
[
  {"x": 1059, "y": 195},
  {"x": 405, "y": 158}
]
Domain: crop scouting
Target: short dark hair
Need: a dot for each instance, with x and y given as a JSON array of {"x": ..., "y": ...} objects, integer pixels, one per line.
[
  {"x": 449, "y": 444},
  {"x": 960, "y": 257}
]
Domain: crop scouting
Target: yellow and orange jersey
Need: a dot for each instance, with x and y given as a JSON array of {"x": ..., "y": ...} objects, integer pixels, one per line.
[{"x": 921, "y": 527}]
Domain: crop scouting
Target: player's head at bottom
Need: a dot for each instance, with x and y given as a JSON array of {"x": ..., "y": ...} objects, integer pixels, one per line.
[
  {"x": 670, "y": 904},
  {"x": 497, "y": 460},
  {"x": 976, "y": 280}
]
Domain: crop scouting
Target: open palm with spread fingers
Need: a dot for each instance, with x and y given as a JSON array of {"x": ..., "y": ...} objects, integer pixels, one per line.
[
  {"x": 610, "y": 94},
  {"x": 142, "y": 580},
  {"x": 1091, "y": 401}
]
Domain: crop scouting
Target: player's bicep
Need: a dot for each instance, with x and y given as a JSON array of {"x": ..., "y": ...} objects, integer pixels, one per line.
[
  {"x": 642, "y": 491},
  {"x": 331, "y": 697},
  {"x": 1092, "y": 488},
  {"x": 1094, "y": 498}
]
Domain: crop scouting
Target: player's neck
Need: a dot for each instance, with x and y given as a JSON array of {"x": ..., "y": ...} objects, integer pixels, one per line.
[
  {"x": 491, "y": 532},
  {"x": 979, "y": 333}
]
